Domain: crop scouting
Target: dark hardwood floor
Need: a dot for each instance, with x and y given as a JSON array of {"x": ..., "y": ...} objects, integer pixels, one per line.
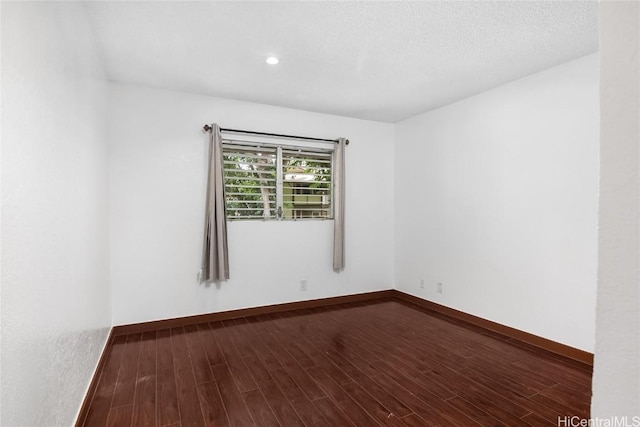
[{"x": 362, "y": 364}]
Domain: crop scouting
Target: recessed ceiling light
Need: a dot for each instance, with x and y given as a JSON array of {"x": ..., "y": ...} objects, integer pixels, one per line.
[{"x": 272, "y": 60}]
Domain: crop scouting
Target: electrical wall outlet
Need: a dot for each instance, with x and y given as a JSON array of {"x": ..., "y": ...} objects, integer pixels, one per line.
[
  {"x": 421, "y": 283},
  {"x": 439, "y": 287},
  {"x": 303, "y": 285}
]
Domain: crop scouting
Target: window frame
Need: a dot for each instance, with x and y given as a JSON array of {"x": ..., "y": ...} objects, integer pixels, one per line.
[{"x": 304, "y": 147}]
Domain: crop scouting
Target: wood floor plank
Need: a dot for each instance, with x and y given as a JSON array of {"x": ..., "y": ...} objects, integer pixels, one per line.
[
  {"x": 409, "y": 380},
  {"x": 101, "y": 404},
  {"x": 535, "y": 420},
  {"x": 309, "y": 415},
  {"x": 387, "y": 346},
  {"x": 282, "y": 342},
  {"x": 287, "y": 361},
  {"x": 569, "y": 397},
  {"x": 263, "y": 350},
  {"x": 188, "y": 399},
  {"x": 441, "y": 390},
  {"x": 235, "y": 363},
  {"x": 279, "y": 404},
  {"x": 167, "y": 412},
  {"x": 236, "y": 331},
  {"x": 526, "y": 402},
  {"x": 330, "y": 411},
  {"x": 144, "y": 405},
  {"x": 148, "y": 354},
  {"x": 292, "y": 347},
  {"x": 416, "y": 387},
  {"x": 429, "y": 414},
  {"x": 320, "y": 359},
  {"x": 499, "y": 375},
  {"x": 414, "y": 420},
  {"x": 345, "y": 366},
  {"x": 120, "y": 416},
  {"x": 211, "y": 405},
  {"x": 210, "y": 344},
  {"x": 489, "y": 401},
  {"x": 552, "y": 371},
  {"x": 404, "y": 352},
  {"x": 359, "y": 416},
  {"x": 259, "y": 409},
  {"x": 302, "y": 378},
  {"x": 476, "y": 414},
  {"x": 125, "y": 387},
  {"x": 234, "y": 404},
  {"x": 181, "y": 359},
  {"x": 514, "y": 373},
  {"x": 394, "y": 404},
  {"x": 555, "y": 408},
  {"x": 383, "y": 415},
  {"x": 198, "y": 355},
  {"x": 337, "y": 354},
  {"x": 359, "y": 357},
  {"x": 456, "y": 345}
]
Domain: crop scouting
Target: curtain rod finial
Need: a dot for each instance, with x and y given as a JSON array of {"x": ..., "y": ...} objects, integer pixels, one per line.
[{"x": 206, "y": 128}]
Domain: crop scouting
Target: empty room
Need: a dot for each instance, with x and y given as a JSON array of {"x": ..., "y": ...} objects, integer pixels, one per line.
[{"x": 340, "y": 213}]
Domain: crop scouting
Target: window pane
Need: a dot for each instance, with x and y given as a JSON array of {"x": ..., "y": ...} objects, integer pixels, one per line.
[
  {"x": 306, "y": 184},
  {"x": 250, "y": 182}
]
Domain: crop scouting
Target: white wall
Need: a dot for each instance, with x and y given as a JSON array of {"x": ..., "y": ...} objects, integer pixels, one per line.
[
  {"x": 158, "y": 163},
  {"x": 496, "y": 198},
  {"x": 616, "y": 375},
  {"x": 56, "y": 308}
]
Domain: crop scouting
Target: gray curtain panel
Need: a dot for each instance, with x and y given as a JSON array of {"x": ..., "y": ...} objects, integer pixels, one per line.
[
  {"x": 338, "y": 205},
  {"x": 215, "y": 254}
]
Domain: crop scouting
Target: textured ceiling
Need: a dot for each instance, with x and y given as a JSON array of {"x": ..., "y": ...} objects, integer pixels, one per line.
[{"x": 382, "y": 61}]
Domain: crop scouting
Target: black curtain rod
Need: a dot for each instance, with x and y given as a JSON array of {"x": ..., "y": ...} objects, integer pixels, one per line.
[{"x": 207, "y": 128}]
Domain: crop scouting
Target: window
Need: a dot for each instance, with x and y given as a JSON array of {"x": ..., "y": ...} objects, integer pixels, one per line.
[{"x": 277, "y": 182}]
